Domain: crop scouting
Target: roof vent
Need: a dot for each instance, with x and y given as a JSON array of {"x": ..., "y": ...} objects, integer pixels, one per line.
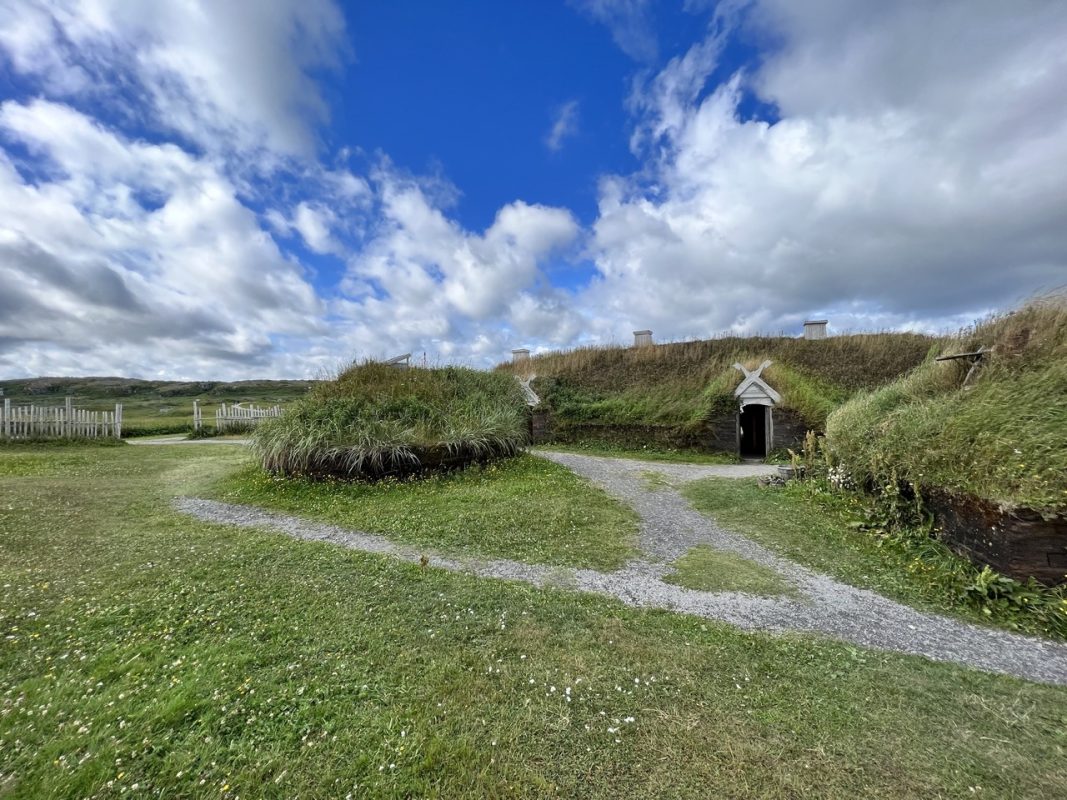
[
  {"x": 815, "y": 329},
  {"x": 642, "y": 338}
]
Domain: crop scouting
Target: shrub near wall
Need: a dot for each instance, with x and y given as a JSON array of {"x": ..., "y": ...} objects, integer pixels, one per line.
[{"x": 375, "y": 421}]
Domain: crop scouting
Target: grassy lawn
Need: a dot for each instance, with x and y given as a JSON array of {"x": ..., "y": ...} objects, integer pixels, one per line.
[
  {"x": 801, "y": 532},
  {"x": 822, "y": 535},
  {"x": 146, "y": 653},
  {"x": 668, "y": 455},
  {"x": 712, "y": 570},
  {"x": 524, "y": 508}
]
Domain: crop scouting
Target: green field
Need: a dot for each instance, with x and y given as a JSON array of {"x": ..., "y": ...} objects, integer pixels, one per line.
[
  {"x": 523, "y": 508},
  {"x": 152, "y": 407},
  {"x": 146, "y": 653}
]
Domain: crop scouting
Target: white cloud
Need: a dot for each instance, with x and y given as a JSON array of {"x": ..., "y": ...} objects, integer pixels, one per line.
[
  {"x": 663, "y": 104},
  {"x": 231, "y": 76},
  {"x": 422, "y": 256},
  {"x": 314, "y": 223},
  {"x": 887, "y": 194},
  {"x": 101, "y": 273},
  {"x": 628, "y": 22},
  {"x": 424, "y": 279},
  {"x": 546, "y": 317},
  {"x": 563, "y": 127},
  {"x": 28, "y": 37},
  {"x": 917, "y": 177}
]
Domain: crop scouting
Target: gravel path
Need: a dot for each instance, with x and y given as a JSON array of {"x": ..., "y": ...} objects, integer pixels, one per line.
[{"x": 670, "y": 528}]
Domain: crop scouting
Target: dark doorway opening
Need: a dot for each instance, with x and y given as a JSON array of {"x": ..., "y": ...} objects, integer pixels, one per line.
[{"x": 753, "y": 438}]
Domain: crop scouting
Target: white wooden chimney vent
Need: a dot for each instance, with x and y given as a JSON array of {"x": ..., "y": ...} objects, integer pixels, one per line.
[
  {"x": 815, "y": 329},
  {"x": 642, "y": 338}
]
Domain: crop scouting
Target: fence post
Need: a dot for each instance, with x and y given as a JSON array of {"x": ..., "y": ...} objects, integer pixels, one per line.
[
  {"x": 118, "y": 420},
  {"x": 7, "y": 418}
]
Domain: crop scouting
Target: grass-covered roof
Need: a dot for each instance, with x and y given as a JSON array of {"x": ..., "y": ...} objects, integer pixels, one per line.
[
  {"x": 1002, "y": 436},
  {"x": 684, "y": 384},
  {"x": 375, "y": 420}
]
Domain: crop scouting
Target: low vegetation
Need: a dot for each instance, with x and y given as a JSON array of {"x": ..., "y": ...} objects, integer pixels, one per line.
[
  {"x": 1001, "y": 436},
  {"x": 374, "y": 420},
  {"x": 854, "y": 537},
  {"x": 669, "y": 394},
  {"x": 711, "y": 570},
  {"x": 146, "y": 653},
  {"x": 525, "y": 508},
  {"x": 609, "y": 449},
  {"x": 34, "y": 442}
]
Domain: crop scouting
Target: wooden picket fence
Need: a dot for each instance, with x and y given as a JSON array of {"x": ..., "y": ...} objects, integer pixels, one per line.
[
  {"x": 234, "y": 416},
  {"x": 59, "y": 422}
]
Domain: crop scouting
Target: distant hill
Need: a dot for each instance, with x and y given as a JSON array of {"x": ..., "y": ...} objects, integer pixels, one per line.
[{"x": 120, "y": 387}]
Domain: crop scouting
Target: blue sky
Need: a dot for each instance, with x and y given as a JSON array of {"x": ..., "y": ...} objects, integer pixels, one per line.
[{"x": 268, "y": 189}]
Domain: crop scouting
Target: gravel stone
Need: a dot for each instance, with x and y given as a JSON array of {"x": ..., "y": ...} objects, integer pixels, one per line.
[{"x": 669, "y": 529}]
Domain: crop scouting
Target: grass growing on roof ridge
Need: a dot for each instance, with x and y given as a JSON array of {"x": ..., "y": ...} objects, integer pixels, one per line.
[
  {"x": 683, "y": 385},
  {"x": 374, "y": 420},
  {"x": 1002, "y": 438}
]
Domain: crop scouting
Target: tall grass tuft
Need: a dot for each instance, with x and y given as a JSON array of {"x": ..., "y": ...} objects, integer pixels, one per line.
[
  {"x": 1001, "y": 436},
  {"x": 375, "y": 420}
]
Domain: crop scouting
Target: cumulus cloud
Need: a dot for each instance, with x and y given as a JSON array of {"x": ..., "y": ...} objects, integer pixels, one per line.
[
  {"x": 423, "y": 280},
  {"x": 913, "y": 176},
  {"x": 136, "y": 250},
  {"x": 146, "y": 258},
  {"x": 314, "y": 223},
  {"x": 232, "y": 75},
  {"x": 28, "y": 38}
]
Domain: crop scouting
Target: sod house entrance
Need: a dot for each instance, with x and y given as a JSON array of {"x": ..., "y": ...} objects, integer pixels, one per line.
[
  {"x": 755, "y": 417},
  {"x": 753, "y": 422}
]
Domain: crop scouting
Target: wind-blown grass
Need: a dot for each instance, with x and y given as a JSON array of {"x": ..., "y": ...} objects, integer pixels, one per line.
[
  {"x": 1002, "y": 437},
  {"x": 375, "y": 420}
]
